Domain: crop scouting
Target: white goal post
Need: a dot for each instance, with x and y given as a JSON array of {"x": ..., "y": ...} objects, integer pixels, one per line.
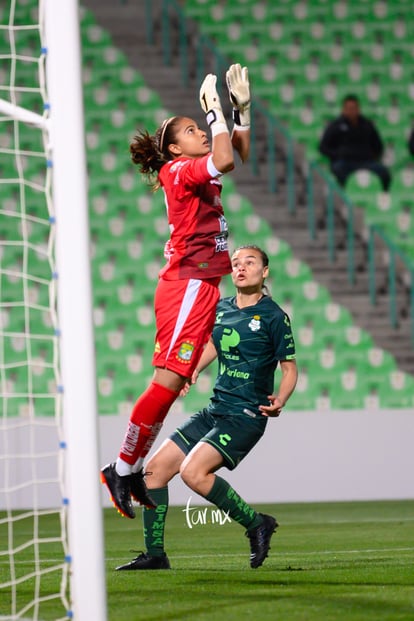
[
  {"x": 64, "y": 122},
  {"x": 63, "y": 72}
]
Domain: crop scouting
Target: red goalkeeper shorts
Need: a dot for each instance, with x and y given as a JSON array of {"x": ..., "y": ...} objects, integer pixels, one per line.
[{"x": 185, "y": 311}]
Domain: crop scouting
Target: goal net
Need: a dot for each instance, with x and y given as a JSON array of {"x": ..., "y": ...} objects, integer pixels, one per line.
[{"x": 39, "y": 528}]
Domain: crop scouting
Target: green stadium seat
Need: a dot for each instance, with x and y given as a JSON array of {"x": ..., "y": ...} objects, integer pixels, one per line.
[
  {"x": 397, "y": 391},
  {"x": 95, "y": 35},
  {"x": 382, "y": 210},
  {"x": 199, "y": 8},
  {"x": 305, "y": 397},
  {"x": 347, "y": 399},
  {"x": 234, "y": 203},
  {"x": 276, "y": 248},
  {"x": 379, "y": 364}
]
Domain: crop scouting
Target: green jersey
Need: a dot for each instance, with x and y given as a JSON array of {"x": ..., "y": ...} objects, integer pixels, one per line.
[{"x": 249, "y": 342}]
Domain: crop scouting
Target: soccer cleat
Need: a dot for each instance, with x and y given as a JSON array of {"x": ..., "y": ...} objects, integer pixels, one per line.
[
  {"x": 119, "y": 490},
  {"x": 145, "y": 561},
  {"x": 260, "y": 540},
  {"x": 139, "y": 490}
]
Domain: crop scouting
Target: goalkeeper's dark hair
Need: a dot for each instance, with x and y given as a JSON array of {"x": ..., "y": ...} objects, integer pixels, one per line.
[
  {"x": 264, "y": 257},
  {"x": 150, "y": 152}
]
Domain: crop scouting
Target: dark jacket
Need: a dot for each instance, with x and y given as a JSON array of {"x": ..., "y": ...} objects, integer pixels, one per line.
[
  {"x": 351, "y": 143},
  {"x": 411, "y": 143}
]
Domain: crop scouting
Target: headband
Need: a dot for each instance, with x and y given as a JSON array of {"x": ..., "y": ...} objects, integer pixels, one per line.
[{"x": 163, "y": 129}]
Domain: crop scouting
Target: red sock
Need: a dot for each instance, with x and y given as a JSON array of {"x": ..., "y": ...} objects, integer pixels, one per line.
[{"x": 146, "y": 421}]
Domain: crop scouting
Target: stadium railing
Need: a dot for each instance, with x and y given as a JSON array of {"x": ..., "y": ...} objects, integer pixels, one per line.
[
  {"x": 332, "y": 194},
  {"x": 398, "y": 263},
  {"x": 387, "y": 263},
  {"x": 196, "y": 56}
]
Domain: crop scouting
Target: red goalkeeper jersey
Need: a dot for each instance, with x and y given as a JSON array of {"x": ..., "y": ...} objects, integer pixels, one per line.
[{"x": 197, "y": 247}]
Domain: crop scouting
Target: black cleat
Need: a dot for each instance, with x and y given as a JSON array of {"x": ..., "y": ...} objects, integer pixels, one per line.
[
  {"x": 119, "y": 490},
  {"x": 260, "y": 540},
  {"x": 145, "y": 561},
  {"x": 139, "y": 490}
]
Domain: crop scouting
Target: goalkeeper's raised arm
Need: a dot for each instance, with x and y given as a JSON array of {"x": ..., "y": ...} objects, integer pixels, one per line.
[
  {"x": 237, "y": 79},
  {"x": 221, "y": 148}
]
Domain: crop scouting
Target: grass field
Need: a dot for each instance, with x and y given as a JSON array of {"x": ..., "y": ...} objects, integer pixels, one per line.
[
  {"x": 343, "y": 561},
  {"x": 328, "y": 562}
]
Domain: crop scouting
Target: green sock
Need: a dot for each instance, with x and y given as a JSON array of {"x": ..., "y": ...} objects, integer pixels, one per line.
[
  {"x": 154, "y": 522},
  {"x": 226, "y": 499}
]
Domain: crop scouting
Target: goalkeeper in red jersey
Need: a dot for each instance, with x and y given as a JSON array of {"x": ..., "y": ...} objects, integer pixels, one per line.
[{"x": 178, "y": 158}]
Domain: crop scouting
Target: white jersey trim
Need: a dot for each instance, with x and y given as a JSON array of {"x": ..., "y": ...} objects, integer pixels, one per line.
[
  {"x": 211, "y": 169},
  {"x": 187, "y": 304}
]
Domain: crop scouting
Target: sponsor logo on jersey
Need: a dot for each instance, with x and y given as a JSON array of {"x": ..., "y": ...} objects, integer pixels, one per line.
[
  {"x": 176, "y": 167},
  {"x": 221, "y": 243},
  {"x": 237, "y": 374},
  {"x": 255, "y": 324},
  {"x": 230, "y": 338},
  {"x": 233, "y": 372},
  {"x": 216, "y": 182},
  {"x": 219, "y": 316},
  {"x": 185, "y": 352},
  {"x": 221, "y": 240}
]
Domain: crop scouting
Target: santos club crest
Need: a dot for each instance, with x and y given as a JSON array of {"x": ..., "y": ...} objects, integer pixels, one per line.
[{"x": 255, "y": 324}]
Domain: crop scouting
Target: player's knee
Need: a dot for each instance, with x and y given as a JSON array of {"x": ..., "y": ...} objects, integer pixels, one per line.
[
  {"x": 160, "y": 469},
  {"x": 156, "y": 475},
  {"x": 191, "y": 475},
  {"x": 152, "y": 464}
]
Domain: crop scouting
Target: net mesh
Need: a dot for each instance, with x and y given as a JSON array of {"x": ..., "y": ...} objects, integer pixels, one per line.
[{"x": 34, "y": 557}]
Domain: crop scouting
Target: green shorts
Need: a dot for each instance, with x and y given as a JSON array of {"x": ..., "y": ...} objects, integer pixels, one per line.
[{"x": 232, "y": 436}]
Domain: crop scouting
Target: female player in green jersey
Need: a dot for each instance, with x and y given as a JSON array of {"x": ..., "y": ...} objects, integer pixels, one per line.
[{"x": 251, "y": 335}]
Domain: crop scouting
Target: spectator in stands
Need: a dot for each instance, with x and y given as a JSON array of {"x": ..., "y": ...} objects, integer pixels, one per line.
[
  {"x": 411, "y": 142},
  {"x": 352, "y": 142}
]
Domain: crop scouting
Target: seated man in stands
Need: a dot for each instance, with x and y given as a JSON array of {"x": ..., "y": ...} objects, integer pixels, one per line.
[
  {"x": 352, "y": 142},
  {"x": 411, "y": 142}
]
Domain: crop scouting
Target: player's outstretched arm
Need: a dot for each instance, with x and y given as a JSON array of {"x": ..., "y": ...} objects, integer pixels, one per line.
[
  {"x": 237, "y": 78},
  {"x": 286, "y": 387},
  {"x": 209, "y": 354},
  {"x": 241, "y": 143},
  {"x": 222, "y": 150}
]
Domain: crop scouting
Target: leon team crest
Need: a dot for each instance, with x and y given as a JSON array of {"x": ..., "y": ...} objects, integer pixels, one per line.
[{"x": 185, "y": 352}]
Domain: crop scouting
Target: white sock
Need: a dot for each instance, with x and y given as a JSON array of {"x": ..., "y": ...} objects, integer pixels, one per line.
[
  {"x": 122, "y": 468},
  {"x": 138, "y": 464}
]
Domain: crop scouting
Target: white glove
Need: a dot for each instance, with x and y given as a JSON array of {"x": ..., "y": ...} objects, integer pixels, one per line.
[
  {"x": 210, "y": 103},
  {"x": 237, "y": 79}
]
